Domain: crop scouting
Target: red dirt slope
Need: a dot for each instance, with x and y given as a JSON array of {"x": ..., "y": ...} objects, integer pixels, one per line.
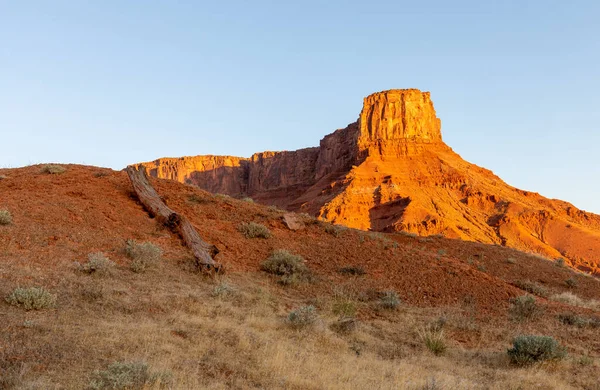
[{"x": 59, "y": 219}]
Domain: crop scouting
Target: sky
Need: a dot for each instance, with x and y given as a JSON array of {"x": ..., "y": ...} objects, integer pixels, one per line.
[{"x": 113, "y": 82}]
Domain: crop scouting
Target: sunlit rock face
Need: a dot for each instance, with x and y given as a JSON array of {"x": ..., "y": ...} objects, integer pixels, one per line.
[{"x": 391, "y": 171}]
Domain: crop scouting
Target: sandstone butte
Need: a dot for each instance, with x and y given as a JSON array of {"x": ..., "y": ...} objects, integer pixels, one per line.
[{"x": 391, "y": 171}]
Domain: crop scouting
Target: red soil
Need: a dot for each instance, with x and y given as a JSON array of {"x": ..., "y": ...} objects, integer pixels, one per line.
[{"x": 59, "y": 219}]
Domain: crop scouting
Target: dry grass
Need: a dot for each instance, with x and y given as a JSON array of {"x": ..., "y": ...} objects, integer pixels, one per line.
[
  {"x": 245, "y": 341},
  {"x": 573, "y": 300}
]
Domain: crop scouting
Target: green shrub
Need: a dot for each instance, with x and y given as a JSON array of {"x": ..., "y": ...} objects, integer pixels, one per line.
[
  {"x": 274, "y": 209},
  {"x": 573, "y": 320},
  {"x": 571, "y": 283},
  {"x": 97, "y": 264},
  {"x": 533, "y": 288},
  {"x": 195, "y": 198},
  {"x": 254, "y": 230},
  {"x": 129, "y": 376},
  {"x": 524, "y": 307},
  {"x": 389, "y": 300},
  {"x": 31, "y": 298},
  {"x": 303, "y": 317},
  {"x": 560, "y": 262},
  {"x": 53, "y": 169},
  {"x": 352, "y": 270},
  {"x": 144, "y": 255},
  {"x": 291, "y": 268},
  {"x": 529, "y": 349},
  {"x": 434, "y": 339},
  {"x": 334, "y": 230},
  {"x": 5, "y": 217}
]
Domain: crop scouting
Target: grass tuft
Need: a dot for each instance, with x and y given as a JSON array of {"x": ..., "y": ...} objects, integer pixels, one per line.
[
  {"x": 434, "y": 339},
  {"x": 389, "y": 300}
]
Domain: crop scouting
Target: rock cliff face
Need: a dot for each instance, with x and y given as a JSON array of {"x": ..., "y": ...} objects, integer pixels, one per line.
[{"x": 391, "y": 171}]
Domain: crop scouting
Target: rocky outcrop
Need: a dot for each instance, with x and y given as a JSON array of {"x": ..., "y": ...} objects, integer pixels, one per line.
[{"x": 391, "y": 171}]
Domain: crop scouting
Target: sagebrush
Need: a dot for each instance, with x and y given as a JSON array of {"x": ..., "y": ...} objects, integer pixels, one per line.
[
  {"x": 289, "y": 267},
  {"x": 302, "y": 317},
  {"x": 254, "y": 230},
  {"x": 5, "y": 217},
  {"x": 31, "y": 298},
  {"x": 529, "y": 349},
  {"x": 144, "y": 255},
  {"x": 53, "y": 169},
  {"x": 97, "y": 263}
]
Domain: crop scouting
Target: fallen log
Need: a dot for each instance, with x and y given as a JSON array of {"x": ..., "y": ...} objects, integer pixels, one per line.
[{"x": 177, "y": 223}]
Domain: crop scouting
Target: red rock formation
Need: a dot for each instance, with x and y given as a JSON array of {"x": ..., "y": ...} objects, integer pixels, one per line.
[{"x": 391, "y": 171}]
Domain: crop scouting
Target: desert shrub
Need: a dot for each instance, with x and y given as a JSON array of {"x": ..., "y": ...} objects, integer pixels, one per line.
[
  {"x": 254, "y": 230},
  {"x": 248, "y": 200},
  {"x": 532, "y": 288},
  {"x": 352, "y": 270},
  {"x": 524, "y": 307},
  {"x": 222, "y": 289},
  {"x": 334, "y": 230},
  {"x": 222, "y": 196},
  {"x": 511, "y": 260},
  {"x": 53, "y": 169},
  {"x": 560, "y": 262},
  {"x": 289, "y": 267},
  {"x": 303, "y": 317},
  {"x": 195, "y": 198},
  {"x": 408, "y": 234},
  {"x": 101, "y": 174},
  {"x": 2, "y": 177},
  {"x": 274, "y": 209},
  {"x": 144, "y": 255},
  {"x": 5, "y": 217},
  {"x": 130, "y": 376},
  {"x": 571, "y": 283},
  {"x": 573, "y": 320},
  {"x": 31, "y": 298},
  {"x": 434, "y": 339},
  {"x": 97, "y": 264},
  {"x": 529, "y": 349},
  {"x": 389, "y": 300}
]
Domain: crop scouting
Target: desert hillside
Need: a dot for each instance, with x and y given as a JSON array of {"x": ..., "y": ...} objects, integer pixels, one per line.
[
  {"x": 391, "y": 171},
  {"x": 382, "y": 310}
]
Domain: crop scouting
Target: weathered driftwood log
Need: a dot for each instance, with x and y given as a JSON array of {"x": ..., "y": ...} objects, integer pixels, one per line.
[{"x": 203, "y": 252}]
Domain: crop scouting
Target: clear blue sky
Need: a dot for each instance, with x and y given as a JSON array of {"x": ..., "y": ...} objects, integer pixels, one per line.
[{"x": 516, "y": 83}]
